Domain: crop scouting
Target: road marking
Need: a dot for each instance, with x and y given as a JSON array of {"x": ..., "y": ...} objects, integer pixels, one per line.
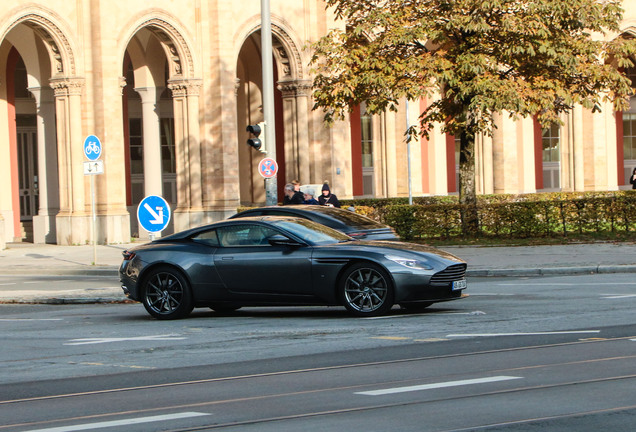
[
  {"x": 9, "y": 283},
  {"x": 140, "y": 420},
  {"x": 522, "y": 334},
  {"x": 565, "y": 284},
  {"x": 393, "y": 338},
  {"x": 619, "y": 296},
  {"x": 430, "y": 312},
  {"x": 437, "y": 385},
  {"x": 87, "y": 341}
]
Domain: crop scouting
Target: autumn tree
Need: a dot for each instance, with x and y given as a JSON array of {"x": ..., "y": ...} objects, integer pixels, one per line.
[{"x": 476, "y": 57}]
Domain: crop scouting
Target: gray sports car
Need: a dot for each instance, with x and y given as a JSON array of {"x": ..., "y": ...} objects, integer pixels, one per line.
[{"x": 277, "y": 261}]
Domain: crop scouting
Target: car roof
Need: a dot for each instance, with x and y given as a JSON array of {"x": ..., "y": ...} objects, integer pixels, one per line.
[{"x": 341, "y": 216}]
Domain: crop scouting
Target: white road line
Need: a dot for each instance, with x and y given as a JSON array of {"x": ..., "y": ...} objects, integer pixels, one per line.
[
  {"x": 437, "y": 385},
  {"x": 9, "y": 283},
  {"x": 140, "y": 420},
  {"x": 427, "y": 313},
  {"x": 619, "y": 296},
  {"x": 88, "y": 341},
  {"x": 522, "y": 334},
  {"x": 564, "y": 284}
]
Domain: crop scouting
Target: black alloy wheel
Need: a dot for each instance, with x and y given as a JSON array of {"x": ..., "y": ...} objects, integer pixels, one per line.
[
  {"x": 166, "y": 294},
  {"x": 366, "y": 290}
]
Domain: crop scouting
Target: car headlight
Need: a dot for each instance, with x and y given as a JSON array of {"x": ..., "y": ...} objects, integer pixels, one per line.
[{"x": 409, "y": 262}]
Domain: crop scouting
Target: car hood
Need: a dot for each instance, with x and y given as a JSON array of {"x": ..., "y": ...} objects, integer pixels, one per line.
[{"x": 397, "y": 247}]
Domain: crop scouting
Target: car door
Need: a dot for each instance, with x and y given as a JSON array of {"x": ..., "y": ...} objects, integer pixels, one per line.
[{"x": 250, "y": 266}]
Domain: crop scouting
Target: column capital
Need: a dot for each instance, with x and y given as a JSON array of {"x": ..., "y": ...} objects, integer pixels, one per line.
[
  {"x": 149, "y": 94},
  {"x": 182, "y": 87},
  {"x": 67, "y": 86}
]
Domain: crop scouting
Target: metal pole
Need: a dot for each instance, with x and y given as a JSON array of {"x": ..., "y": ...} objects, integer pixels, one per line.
[
  {"x": 94, "y": 220},
  {"x": 408, "y": 150},
  {"x": 271, "y": 194}
]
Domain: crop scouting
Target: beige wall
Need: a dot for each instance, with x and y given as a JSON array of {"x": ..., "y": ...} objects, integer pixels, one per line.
[{"x": 83, "y": 50}]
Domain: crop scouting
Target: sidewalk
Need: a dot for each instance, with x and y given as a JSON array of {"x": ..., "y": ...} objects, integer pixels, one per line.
[{"x": 508, "y": 261}]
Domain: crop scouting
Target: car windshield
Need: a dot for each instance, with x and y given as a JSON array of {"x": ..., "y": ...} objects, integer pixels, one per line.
[{"x": 312, "y": 232}]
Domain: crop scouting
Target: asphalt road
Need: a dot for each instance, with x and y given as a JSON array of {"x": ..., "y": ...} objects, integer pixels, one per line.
[{"x": 549, "y": 353}]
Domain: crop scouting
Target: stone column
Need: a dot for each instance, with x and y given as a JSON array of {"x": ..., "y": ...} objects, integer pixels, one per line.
[
  {"x": 189, "y": 210},
  {"x": 578, "y": 170},
  {"x": 48, "y": 182},
  {"x": 72, "y": 221},
  {"x": 152, "y": 139}
]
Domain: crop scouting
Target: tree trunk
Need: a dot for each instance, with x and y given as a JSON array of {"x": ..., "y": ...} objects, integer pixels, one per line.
[{"x": 467, "y": 189}]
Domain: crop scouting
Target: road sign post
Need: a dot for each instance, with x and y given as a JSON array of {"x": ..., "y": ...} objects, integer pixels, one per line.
[
  {"x": 92, "y": 151},
  {"x": 153, "y": 214}
]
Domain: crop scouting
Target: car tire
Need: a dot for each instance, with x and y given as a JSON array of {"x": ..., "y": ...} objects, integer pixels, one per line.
[
  {"x": 167, "y": 294},
  {"x": 366, "y": 289}
]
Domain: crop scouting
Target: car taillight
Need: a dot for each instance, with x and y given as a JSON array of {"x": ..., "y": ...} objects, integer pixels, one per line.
[
  {"x": 357, "y": 235},
  {"x": 128, "y": 255}
]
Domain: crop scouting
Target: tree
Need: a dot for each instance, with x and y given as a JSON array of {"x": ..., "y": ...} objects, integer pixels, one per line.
[{"x": 524, "y": 57}]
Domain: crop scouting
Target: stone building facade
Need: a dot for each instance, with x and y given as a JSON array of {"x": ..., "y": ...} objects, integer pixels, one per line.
[{"x": 169, "y": 88}]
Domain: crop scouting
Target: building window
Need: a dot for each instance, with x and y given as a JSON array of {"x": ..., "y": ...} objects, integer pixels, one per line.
[
  {"x": 366, "y": 126},
  {"x": 629, "y": 135},
  {"x": 551, "y": 137}
]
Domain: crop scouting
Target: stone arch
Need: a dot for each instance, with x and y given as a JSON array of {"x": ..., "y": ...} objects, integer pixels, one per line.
[
  {"x": 172, "y": 39},
  {"x": 60, "y": 49},
  {"x": 285, "y": 47}
]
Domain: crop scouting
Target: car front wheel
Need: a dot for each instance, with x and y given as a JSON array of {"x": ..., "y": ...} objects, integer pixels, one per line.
[
  {"x": 366, "y": 290},
  {"x": 166, "y": 294}
]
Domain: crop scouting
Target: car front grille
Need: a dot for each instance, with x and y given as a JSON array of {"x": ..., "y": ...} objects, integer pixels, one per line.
[{"x": 448, "y": 275}]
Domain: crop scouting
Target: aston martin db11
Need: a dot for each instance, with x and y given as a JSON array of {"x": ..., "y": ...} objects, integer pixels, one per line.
[{"x": 278, "y": 261}]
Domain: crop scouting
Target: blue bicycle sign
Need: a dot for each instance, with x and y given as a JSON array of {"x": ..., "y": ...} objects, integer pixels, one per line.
[{"x": 92, "y": 148}]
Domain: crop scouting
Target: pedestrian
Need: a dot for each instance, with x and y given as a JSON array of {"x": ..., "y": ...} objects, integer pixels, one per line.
[
  {"x": 291, "y": 196},
  {"x": 632, "y": 179},
  {"x": 327, "y": 198},
  {"x": 309, "y": 197}
]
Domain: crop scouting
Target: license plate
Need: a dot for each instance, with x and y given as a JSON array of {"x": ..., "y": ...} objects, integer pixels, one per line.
[{"x": 459, "y": 285}]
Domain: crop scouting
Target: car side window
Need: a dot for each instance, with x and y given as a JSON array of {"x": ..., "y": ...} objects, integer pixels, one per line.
[
  {"x": 209, "y": 238},
  {"x": 245, "y": 235}
]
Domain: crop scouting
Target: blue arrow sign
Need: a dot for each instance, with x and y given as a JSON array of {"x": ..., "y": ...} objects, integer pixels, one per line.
[
  {"x": 92, "y": 148},
  {"x": 153, "y": 213}
]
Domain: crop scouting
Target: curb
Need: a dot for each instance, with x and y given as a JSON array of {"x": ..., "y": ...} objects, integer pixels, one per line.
[{"x": 552, "y": 271}]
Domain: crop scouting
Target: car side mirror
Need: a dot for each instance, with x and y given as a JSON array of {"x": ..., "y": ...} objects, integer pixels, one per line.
[{"x": 281, "y": 240}]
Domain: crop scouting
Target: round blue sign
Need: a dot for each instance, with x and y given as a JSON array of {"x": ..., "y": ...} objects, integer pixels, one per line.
[
  {"x": 92, "y": 148},
  {"x": 153, "y": 213}
]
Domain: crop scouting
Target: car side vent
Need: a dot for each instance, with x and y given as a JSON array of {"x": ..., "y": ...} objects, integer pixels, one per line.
[{"x": 448, "y": 275}]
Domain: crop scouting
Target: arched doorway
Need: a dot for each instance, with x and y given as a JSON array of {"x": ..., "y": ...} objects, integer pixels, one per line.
[
  {"x": 291, "y": 100},
  {"x": 160, "y": 109},
  {"x": 31, "y": 142}
]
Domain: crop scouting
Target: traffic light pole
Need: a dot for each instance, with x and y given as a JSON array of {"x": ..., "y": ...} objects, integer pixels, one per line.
[{"x": 271, "y": 194}]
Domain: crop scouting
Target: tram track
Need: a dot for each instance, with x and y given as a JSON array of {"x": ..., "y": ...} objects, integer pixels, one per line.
[{"x": 205, "y": 405}]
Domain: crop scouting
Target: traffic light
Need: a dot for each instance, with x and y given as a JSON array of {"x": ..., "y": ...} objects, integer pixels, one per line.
[{"x": 255, "y": 141}]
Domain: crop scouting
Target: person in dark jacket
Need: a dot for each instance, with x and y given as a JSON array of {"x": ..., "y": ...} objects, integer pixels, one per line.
[
  {"x": 327, "y": 198},
  {"x": 291, "y": 196},
  {"x": 309, "y": 197},
  {"x": 632, "y": 179}
]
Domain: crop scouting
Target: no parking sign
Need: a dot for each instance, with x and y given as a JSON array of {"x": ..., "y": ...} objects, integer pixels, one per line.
[{"x": 268, "y": 168}]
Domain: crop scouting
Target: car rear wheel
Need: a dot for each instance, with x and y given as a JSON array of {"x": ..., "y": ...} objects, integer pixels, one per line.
[
  {"x": 366, "y": 290},
  {"x": 166, "y": 294}
]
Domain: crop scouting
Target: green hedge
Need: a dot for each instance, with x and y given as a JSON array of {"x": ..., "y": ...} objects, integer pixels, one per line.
[{"x": 510, "y": 216}]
